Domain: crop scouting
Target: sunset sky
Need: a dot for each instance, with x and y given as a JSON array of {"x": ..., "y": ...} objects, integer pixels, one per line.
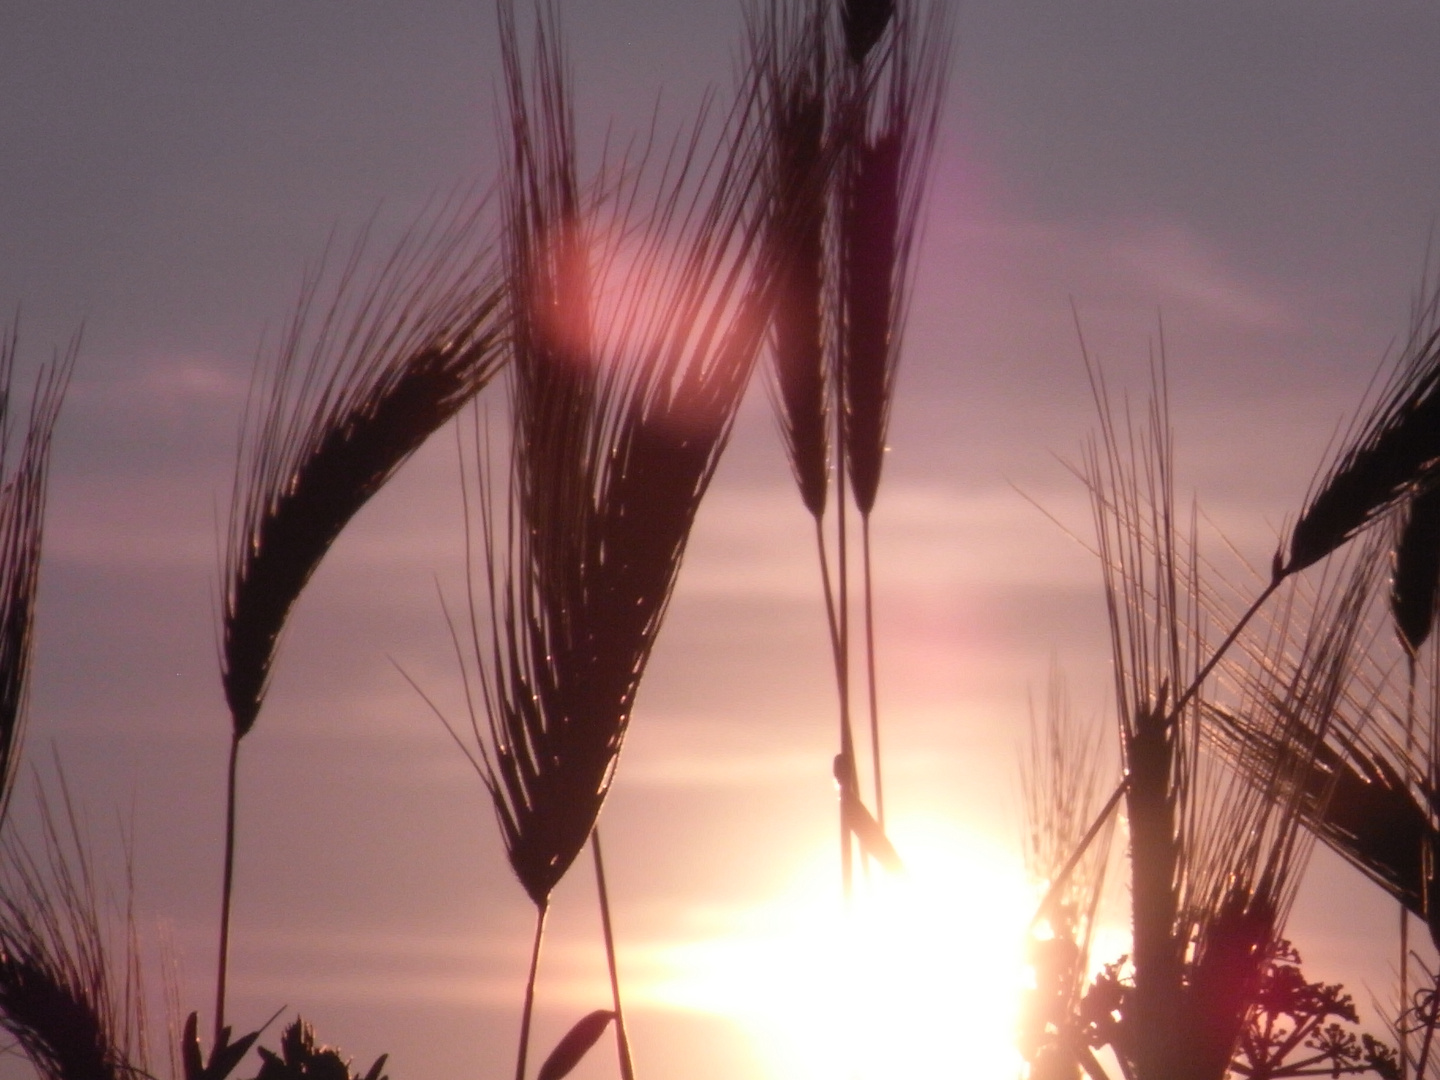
[{"x": 1260, "y": 177}]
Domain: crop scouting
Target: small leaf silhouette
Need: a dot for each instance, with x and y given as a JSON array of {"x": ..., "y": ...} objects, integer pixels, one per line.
[
  {"x": 302, "y": 1057},
  {"x": 575, "y": 1045},
  {"x": 224, "y": 1056}
]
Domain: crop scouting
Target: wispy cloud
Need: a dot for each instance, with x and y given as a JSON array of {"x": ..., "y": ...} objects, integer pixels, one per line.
[{"x": 1183, "y": 267}]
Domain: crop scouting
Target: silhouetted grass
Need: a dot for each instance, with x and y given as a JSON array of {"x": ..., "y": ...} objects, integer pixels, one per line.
[{"x": 628, "y": 311}]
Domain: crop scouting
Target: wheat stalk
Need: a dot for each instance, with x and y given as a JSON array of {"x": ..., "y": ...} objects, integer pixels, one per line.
[
  {"x": 624, "y": 377},
  {"x": 345, "y": 402},
  {"x": 1213, "y": 859},
  {"x": 883, "y": 181}
]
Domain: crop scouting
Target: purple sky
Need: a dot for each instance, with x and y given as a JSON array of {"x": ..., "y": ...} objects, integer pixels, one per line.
[{"x": 1261, "y": 176}]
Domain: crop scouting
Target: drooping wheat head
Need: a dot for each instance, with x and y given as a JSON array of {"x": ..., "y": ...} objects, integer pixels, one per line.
[
  {"x": 637, "y": 307},
  {"x": 1366, "y": 787},
  {"x": 619, "y": 415},
  {"x": 1392, "y": 451},
  {"x": 349, "y": 397}
]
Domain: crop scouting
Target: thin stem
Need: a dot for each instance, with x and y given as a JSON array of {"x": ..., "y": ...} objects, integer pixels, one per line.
[
  {"x": 1090, "y": 1063},
  {"x": 1404, "y": 915},
  {"x": 1222, "y": 649},
  {"x": 845, "y": 770},
  {"x": 1404, "y": 992},
  {"x": 1058, "y": 882},
  {"x": 226, "y": 887},
  {"x": 833, "y": 624},
  {"x": 845, "y": 761},
  {"x": 622, "y": 1040},
  {"x": 870, "y": 673},
  {"x": 530, "y": 993},
  {"x": 830, "y": 619}
]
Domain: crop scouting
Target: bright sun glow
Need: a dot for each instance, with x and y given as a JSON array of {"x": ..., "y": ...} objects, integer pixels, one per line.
[{"x": 921, "y": 977}]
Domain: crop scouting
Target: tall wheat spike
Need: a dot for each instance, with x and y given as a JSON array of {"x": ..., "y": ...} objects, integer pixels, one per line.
[
  {"x": 790, "y": 49},
  {"x": 885, "y": 178},
  {"x": 1213, "y": 857},
  {"x": 891, "y": 124},
  {"x": 637, "y": 312},
  {"x": 349, "y": 397}
]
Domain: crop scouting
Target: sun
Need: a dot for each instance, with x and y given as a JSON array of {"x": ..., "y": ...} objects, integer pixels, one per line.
[{"x": 921, "y": 975}]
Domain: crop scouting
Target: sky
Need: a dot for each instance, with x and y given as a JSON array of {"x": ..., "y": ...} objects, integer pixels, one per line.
[{"x": 1259, "y": 180}]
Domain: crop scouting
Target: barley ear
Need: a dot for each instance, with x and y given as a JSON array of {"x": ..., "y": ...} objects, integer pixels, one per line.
[
  {"x": 871, "y": 231},
  {"x": 1395, "y": 450},
  {"x": 884, "y": 180},
  {"x": 349, "y": 398},
  {"x": 619, "y": 416},
  {"x": 790, "y": 56}
]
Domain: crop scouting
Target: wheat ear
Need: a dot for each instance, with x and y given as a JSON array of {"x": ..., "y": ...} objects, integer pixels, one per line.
[
  {"x": 1394, "y": 450},
  {"x": 624, "y": 378},
  {"x": 1213, "y": 861},
  {"x": 349, "y": 397},
  {"x": 890, "y": 129}
]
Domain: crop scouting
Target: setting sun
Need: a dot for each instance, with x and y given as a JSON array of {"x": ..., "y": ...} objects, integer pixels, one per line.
[{"x": 922, "y": 975}]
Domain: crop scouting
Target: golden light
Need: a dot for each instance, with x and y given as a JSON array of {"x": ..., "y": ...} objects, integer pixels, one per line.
[{"x": 921, "y": 976}]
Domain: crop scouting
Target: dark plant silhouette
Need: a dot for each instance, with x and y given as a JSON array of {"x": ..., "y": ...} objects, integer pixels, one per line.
[
  {"x": 302, "y": 1058},
  {"x": 1300, "y": 1028},
  {"x": 350, "y": 396},
  {"x": 636, "y": 314},
  {"x": 1213, "y": 857},
  {"x": 851, "y": 112}
]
